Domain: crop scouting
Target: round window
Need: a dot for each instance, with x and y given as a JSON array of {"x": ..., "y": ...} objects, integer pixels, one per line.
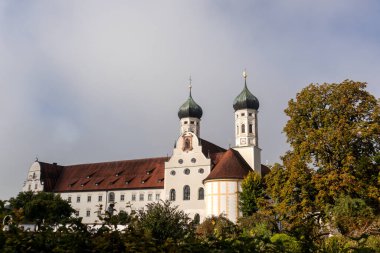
[
  {"x": 186, "y": 171},
  {"x": 193, "y": 160},
  {"x": 172, "y": 172},
  {"x": 201, "y": 171},
  {"x": 180, "y": 161}
]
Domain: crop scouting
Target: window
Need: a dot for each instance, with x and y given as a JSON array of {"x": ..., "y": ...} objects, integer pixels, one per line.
[
  {"x": 172, "y": 195},
  {"x": 243, "y": 114},
  {"x": 111, "y": 197},
  {"x": 30, "y": 187},
  {"x": 201, "y": 193},
  {"x": 243, "y": 129},
  {"x": 34, "y": 175},
  {"x": 186, "y": 171},
  {"x": 186, "y": 192},
  {"x": 201, "y": 171},
  {"x": 185, "y": 122},
  {"x": 78, "y": 199},
  {"x": 150, "y": 197},
  {"x": 193, "y": 160},
  {"x": 157, "y": 196},
  {"x": 35, "y": 187},
  {"x": 141, "y": 197},
  {"x": 88, "y": 213},
  {"x": 237, "y": 129},
  {"x": 172, "y": 172},
  {"x": 69, "y": 199},
  {"x": 191, "y": 122},
  {"x": 88, "y": 198},
  {"x": 100, "y": 198},
  {"x": 250, "y": 128},
  {"x": 250, "y": 114},
  {"x": 77, "y": 213},
  {"x": 133, "y": 197},
  {"x": 122, "y": 197},
  {"x": 180, "y": 161}
]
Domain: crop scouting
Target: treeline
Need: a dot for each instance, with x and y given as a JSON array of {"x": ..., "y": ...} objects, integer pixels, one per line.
[{"x": 323, "y": 197}]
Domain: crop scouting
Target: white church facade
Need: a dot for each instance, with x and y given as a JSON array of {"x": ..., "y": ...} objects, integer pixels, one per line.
[{"x": 200, "y": 177}]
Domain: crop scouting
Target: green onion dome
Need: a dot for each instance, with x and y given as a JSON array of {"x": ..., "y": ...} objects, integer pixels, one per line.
[
  {"x": 246, "y": 100},
  {"x": 190, "y": 109}
]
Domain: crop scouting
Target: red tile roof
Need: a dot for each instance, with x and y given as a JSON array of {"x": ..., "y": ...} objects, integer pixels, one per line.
[
  {"x": 131, "y": 174},
  {"x": 50, "y": 174},
  {"x": 231, "y": 165}
]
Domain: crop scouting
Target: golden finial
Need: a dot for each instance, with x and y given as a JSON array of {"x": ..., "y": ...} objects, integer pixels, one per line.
[{"x": 245, "y": 74}]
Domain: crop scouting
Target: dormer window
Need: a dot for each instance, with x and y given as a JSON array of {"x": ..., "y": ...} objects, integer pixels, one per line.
[{"x": 148, "y": 172}]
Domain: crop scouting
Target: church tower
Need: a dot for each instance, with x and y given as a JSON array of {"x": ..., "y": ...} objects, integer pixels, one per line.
[
  {"x": 190, "y": 114},
  {"x": 246, "y": 107}
]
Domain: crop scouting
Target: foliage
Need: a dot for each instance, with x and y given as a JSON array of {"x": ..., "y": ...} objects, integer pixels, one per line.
[
  {"x": 286, "y": 243},
  {"x": 335, "y": 128},
  {"x": 162, "y": 221},
  {"x": 216, "y": 227},
  {"x": 353, "y": 217},
  {"x": 252, "y": 194},
  {"x": 41, "y": 207}
]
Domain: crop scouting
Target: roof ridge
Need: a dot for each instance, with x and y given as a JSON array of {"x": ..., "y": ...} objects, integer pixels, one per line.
[{"x": 115, "y": 161}]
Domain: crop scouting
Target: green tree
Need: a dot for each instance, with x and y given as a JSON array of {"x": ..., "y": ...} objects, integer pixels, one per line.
[
  {"x": 252, "y": 194},
  {"x": 353, "y": 217},
  {"x": 40, "y": 207},
  {"x": 335, "y": 129},
  {"x": 162, "y": 221}
]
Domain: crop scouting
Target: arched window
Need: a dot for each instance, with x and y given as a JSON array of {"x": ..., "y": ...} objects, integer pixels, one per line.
[
  {"x": 111, "y": 197},
  {"x": 250, "y": 128},
  {"x": 243, "y": 129},
  {"x": 201, "y": 193},
  {"x": 186, "y": 192},
  {"x": 34, "y": 175},
  {"x": 172, "y": 195}
]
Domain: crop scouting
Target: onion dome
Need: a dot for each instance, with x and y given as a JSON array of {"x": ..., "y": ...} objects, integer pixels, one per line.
[
  {"x": 190, "y": 109},
  {"x": 246, "y": 100}
]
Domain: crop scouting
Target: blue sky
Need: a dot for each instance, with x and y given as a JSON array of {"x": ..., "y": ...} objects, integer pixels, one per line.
[{"x": 90, "y": 81}]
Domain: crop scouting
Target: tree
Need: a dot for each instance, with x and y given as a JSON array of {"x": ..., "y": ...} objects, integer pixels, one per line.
[
  {"x": 353, "y": 217},
  {"x": 335, "y": 130},
  {"x": 41, "y": 207},
  {"x": 163, "y": 221},
  {"x": 252, "y": 193}
]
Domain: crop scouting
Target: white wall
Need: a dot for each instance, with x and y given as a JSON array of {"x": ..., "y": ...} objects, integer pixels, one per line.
[
  {"x": 33, "y": 182},
  {"x": 222, "y": 197},
  {"x": 193, "y": 179},
  {"x": 120, "y": 205}
]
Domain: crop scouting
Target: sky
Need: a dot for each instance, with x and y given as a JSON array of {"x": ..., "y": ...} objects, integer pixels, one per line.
[{"x": 92, "y": 81}]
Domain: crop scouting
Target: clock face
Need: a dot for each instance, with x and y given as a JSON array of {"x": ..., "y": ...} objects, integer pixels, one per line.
[{"x": 243, "y": 141}]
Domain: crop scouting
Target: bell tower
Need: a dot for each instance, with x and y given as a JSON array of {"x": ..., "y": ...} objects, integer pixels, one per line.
[{"x": 246, "y": 107}]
